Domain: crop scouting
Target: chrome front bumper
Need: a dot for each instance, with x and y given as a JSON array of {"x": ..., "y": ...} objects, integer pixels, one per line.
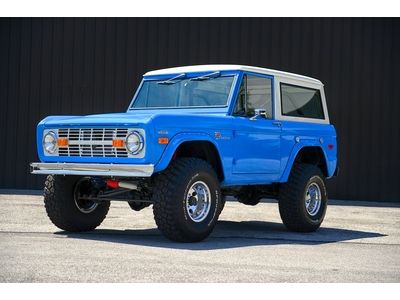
[{"x": 92, "y": 169}]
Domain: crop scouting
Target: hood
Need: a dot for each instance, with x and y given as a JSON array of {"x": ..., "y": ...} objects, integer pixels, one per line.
[{"x": 121, "y": 119}]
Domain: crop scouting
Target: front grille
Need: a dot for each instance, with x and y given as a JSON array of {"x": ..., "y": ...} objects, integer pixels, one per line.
[{"x": 92, "y": 142}]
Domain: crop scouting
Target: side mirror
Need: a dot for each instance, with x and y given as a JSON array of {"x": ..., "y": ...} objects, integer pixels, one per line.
[{"x": 259, "y": 112}]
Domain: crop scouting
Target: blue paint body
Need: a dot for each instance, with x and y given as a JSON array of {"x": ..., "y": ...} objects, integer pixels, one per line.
[{"x": 251, "y": 152}]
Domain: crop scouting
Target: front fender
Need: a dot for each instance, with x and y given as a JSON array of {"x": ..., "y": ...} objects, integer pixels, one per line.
[
  {"x": 175, "y": 142},
  {"x": 330, "y": 160}
]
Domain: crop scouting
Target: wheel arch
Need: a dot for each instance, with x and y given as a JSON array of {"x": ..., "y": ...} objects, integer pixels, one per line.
[
  {"x": 198, "y": 145},
  {"x": 307, "y": 153}
]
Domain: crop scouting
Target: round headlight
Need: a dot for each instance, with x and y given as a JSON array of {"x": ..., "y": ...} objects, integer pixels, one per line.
[
  {"x": 134, "y": 142},
  {"x": 50, "y": 142}
]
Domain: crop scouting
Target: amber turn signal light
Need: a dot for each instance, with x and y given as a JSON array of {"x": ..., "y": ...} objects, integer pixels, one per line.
[
  {"x": 163, "y": 140},
  {"x": 62, "y": 142},
  {"x": 118, "y": 143}
]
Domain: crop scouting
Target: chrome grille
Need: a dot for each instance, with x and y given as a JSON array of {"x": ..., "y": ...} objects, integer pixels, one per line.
[{"x": 92, "y": 142}]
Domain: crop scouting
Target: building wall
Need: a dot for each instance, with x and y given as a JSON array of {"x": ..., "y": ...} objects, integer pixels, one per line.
[{"x": 82, "y": 66}]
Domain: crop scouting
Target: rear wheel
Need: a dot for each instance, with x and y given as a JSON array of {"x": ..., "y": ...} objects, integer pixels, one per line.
[
  {"x": 303, "y": 199},
  {"x": 187, "y": 200},
  {"x": 67, "y": 206}
]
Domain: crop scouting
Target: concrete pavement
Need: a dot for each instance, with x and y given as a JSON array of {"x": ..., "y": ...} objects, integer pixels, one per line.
[{"x": 358, "y": 242}]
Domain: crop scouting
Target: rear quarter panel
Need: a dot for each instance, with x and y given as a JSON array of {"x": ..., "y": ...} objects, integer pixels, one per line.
[{"x": 297, "y": 135}]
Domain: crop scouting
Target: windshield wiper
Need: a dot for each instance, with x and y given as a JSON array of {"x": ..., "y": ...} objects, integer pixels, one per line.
[
  {"x": 172, "y": 80},
  {"x": 207, "y": 76}
]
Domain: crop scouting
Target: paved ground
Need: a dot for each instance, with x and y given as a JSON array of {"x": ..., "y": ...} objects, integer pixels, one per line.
[{"x": 356, "y": 244}]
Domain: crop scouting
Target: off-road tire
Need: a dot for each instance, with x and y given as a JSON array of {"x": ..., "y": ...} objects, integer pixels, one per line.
[
  {"x": 292, "y": 194},
  {"x": 170, "y": 189},
  {"x": 223, "y": 202},
  {"x": 61, "y": 207}
]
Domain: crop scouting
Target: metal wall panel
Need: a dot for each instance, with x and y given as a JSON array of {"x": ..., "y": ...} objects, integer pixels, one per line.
[{"x": 93, "y": 65}]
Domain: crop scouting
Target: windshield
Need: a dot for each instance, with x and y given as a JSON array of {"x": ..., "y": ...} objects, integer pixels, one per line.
[{"x": 180, "y": 92}]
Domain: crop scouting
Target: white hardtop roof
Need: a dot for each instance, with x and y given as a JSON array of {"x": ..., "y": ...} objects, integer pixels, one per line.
[{"x": 214, "y": 68}]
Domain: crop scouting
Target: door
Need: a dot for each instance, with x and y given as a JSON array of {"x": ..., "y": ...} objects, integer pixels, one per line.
[{"x": 257, "y": 139}]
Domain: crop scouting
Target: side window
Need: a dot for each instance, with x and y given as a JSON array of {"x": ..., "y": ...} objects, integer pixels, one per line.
[
  {"x": 255, "y": 93},
  {"x": 301, "y": 102}
]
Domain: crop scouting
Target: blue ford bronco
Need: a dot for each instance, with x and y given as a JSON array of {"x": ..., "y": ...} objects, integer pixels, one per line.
[{"x": 191, "y": 137}]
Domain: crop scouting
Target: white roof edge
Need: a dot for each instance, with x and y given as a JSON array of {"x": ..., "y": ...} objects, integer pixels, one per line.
[{"x": 211, "y": 68}]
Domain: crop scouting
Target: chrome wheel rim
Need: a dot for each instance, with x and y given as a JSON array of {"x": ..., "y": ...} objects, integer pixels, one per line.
[
  {"x": 313, "y": 199},
  {"x": 82, "y": 190},
  {"x": 198, "y": 201}
]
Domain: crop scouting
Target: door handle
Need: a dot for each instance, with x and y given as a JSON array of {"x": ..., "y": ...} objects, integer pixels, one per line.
[{"x": 277, "y": 123}]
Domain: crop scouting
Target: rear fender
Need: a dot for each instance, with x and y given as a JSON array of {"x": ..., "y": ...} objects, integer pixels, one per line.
[{"x": 331, "y": 164}]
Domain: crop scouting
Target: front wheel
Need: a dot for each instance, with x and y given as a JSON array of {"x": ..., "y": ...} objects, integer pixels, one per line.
[
  {"x": 187, "y": 200},
  {"x": 65, "y": 199},
  {"x": 303, "y": 199}
]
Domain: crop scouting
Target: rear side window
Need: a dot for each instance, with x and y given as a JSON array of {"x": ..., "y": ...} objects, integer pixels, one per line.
[{"x": 301, "y": 102}]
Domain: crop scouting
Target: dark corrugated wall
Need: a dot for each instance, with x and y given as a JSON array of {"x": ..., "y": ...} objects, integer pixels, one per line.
[{"x": 83, "y": 66}]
